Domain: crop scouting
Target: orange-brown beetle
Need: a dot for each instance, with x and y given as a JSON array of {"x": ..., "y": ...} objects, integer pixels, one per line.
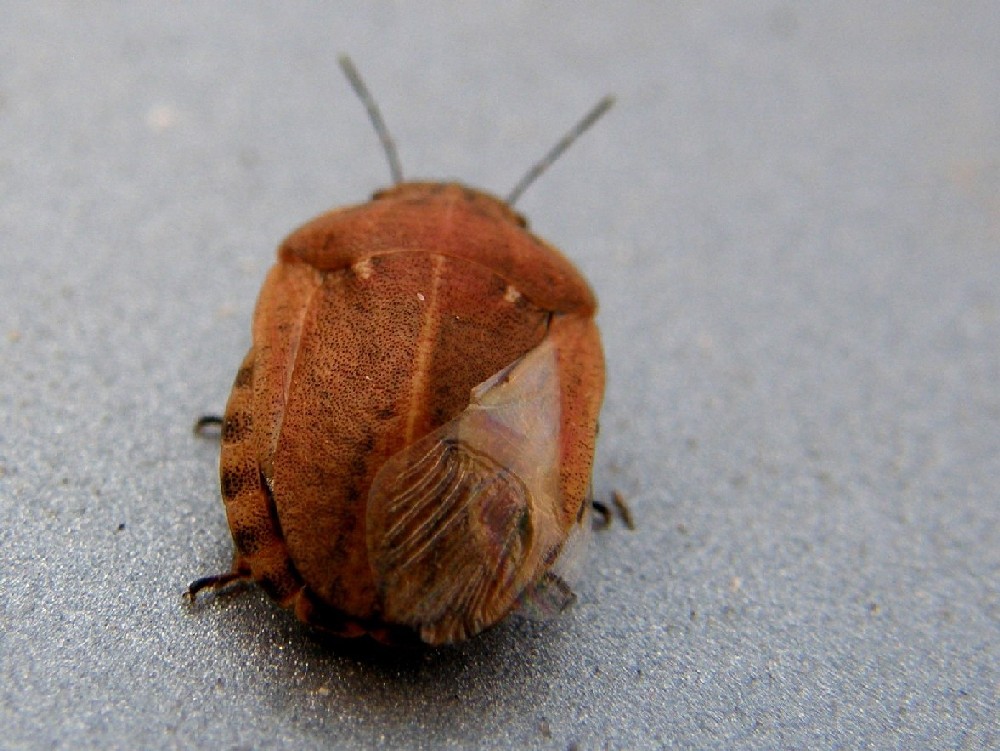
[{"x": 408, "y": 444}]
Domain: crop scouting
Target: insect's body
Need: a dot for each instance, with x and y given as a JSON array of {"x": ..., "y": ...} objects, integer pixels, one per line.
[{"x": 367, "y": 486}]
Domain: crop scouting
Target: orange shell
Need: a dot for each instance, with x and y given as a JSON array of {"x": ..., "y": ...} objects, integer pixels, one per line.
[{"x": 371, "y": 333}]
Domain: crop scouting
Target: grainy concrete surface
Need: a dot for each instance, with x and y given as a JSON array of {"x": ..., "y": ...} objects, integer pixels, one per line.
[{"x": 792, "y": 220}]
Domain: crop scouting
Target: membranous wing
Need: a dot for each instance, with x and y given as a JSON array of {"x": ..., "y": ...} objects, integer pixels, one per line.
[
  {"x": 464, "y": 521},
  {"x": 553, "y": 591}
]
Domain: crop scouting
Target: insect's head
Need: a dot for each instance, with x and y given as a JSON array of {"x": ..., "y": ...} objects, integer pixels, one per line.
[{"x": 452, "y": 193}]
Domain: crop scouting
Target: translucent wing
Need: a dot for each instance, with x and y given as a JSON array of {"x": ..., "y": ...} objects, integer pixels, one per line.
[
  {"x": 553, "y": 592},
  {"x": 464, "y": 520}
]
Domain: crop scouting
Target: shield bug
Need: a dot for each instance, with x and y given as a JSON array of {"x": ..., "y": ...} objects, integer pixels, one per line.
[{"x": 407, "y": 447}]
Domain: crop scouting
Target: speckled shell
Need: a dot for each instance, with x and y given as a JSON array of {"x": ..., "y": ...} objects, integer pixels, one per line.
[{"x": 429, "y": 336}]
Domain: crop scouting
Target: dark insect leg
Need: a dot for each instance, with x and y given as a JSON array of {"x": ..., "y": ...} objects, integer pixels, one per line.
[
  {"x": 623, "y": 510},
  {"x": 208, "y": 421},
  {"x": 603, "y": 511},
  {"x": 218, "y": 583}
]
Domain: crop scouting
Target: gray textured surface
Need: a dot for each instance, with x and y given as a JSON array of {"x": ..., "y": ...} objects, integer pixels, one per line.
[{"x": 792, "y": 220}]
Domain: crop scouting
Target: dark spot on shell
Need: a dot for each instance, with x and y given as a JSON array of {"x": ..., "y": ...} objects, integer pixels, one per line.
[
  {"x": 236, "y": 426},
  {"x": 440, "y": 415},
  {"x": 246, "y": 540},
  {"x": 352, "y": 495},
  {"x": 244, "y": 377},
  {"x": 232, "y": 481},
  {"x": 359, "y": 467}
]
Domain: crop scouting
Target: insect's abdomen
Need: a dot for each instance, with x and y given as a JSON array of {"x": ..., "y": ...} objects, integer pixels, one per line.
[{"x": 384, "y": 352}]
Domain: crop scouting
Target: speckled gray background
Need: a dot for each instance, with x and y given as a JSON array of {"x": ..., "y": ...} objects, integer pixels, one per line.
[{"x": 792, "y": 219}]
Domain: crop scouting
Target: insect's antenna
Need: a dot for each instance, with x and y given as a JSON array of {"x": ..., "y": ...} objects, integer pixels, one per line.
[
  {"x": 564, "y": 143},
  {"x": 388, "y": 145}
]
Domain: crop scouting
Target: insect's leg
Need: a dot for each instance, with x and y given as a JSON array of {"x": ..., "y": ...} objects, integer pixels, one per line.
[
  {"x": 218, "y": 582},
  {"x": 207, "y": 421},
  {"x": 623, "y": 510},
  {"x": 603, "y": 511}
]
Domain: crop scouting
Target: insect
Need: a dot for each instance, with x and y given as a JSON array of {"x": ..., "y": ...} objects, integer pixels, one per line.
[{"x": 408, "y": 444}]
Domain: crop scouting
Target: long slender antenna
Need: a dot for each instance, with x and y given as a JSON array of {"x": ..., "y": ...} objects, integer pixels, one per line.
[
  {"x": 564, "y": 143},
  {"x": 388, "y": 145}
]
